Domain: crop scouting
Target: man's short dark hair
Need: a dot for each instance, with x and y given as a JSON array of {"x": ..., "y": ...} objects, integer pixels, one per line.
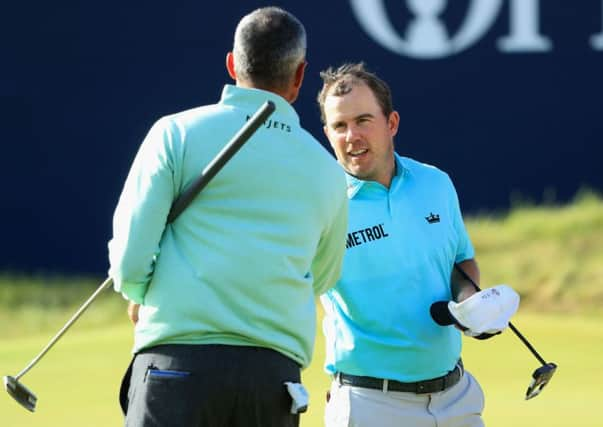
[
  {"x": 269, "y": 44},
  {"x": 339, "y": 81}
]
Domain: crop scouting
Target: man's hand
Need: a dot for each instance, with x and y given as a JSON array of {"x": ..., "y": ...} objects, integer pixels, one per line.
[{"x": 133, "y": 312}]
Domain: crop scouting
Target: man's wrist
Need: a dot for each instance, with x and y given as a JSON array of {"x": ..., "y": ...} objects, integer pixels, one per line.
[{"x": 133, "y": 311}]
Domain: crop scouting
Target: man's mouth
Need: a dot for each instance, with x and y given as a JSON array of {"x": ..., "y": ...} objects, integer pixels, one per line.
[{"x": 356, "y": 153}]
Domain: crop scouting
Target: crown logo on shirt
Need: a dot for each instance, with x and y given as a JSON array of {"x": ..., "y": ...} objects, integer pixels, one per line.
[{"x": 432, "y": 218}]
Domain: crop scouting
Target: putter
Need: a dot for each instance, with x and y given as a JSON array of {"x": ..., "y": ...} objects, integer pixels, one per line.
[
  {"x": 542, "y": 375},
  {"x": 26, "y": 397},
  {"x": 20, "y": 393}
]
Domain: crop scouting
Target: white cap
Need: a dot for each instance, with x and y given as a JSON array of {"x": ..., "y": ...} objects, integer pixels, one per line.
[{"x": 488, "y": 310}]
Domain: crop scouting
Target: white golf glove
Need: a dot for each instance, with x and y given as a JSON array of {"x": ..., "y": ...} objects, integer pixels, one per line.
[{"x": 487, "y": 311}]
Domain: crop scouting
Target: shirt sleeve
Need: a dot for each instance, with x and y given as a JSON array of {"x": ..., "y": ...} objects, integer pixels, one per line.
[
  {"x": 327, "y": 264},
  {"x": 140, "y": 216}
]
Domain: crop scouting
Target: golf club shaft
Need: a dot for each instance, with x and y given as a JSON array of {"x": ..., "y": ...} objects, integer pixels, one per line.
[
  {"x": 527, "y": 343},
  {"x": 64, "y": 329},
  {"x": 511, "y": 326},
  {"x": 179, "y": 205}
]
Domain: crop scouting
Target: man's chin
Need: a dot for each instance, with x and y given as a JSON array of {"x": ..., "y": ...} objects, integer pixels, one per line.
[{"x": 359, "y": 173}]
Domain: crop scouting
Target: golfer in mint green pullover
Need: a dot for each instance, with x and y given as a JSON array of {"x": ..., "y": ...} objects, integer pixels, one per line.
[{"x": 242, "y": 265}]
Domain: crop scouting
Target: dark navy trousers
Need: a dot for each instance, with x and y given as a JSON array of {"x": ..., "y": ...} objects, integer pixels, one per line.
[{"x": 209, "y": 386}]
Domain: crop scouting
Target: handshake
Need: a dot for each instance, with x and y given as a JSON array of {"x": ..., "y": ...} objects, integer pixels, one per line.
[{"x": 482, "y": 315}]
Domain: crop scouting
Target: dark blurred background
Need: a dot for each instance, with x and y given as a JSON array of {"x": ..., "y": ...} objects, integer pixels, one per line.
[{"x": 504, "y": 95}]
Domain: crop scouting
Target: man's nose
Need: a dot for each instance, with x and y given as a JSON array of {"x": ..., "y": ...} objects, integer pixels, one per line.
[{"x": 351, "y": 133}]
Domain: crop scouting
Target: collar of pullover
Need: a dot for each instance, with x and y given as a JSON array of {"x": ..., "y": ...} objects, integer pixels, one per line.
[{"x": 254, "y": 98}]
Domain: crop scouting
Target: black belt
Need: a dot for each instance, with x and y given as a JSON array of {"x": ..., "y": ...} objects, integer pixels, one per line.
[{"x": 420, "y": 387}]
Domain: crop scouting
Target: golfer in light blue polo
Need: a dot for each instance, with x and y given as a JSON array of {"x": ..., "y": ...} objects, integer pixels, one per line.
[{"x": 392, "y": 365}]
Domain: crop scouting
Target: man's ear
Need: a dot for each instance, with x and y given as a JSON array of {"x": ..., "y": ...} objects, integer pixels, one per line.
[
  {"x": 230, "y": 66},
  {"x": 299, "y": 74},
  {"x": 292, "y": 90},
  {"x": 393, "y": 121}
]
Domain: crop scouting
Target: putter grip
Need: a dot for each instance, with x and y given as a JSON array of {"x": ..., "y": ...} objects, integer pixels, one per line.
[{"x": 220, "y": 160}]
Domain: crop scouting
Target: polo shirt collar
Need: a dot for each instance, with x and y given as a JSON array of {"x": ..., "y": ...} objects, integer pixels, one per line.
[
  {"x": 354, "y": 185},
  {"x": 254, "y": 98}
]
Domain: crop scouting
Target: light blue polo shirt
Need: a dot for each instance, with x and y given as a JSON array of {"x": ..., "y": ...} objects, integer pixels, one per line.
[{"x": 401, "y": 245}]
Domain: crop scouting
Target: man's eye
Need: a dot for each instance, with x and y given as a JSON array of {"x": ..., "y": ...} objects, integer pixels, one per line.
[{"x": 339, "y": 126}]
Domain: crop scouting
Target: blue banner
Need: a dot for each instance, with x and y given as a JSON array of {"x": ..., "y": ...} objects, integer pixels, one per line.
[{"x": 504, "y": 95}]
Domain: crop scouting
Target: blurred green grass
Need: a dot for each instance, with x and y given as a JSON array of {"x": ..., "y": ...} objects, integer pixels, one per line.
[
  {"x": 553, "y": 255},
  {"x": 78, "y": 381},
  {"x": 34, "y": 304}
]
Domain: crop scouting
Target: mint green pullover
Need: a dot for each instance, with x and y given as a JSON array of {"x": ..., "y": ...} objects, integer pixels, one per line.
[{"x": 243, "y": 263}]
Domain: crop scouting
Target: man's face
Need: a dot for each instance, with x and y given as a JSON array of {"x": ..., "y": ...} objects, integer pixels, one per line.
[{"x": 361, "y": 135}]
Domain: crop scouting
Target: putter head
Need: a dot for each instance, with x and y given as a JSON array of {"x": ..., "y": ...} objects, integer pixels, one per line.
[
  {"x": 540, "y": 378},
  {"x": 20, "y": 393}
]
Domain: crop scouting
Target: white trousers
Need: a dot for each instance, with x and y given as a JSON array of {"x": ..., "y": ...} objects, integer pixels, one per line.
[{"x": 459, "y": 406}]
